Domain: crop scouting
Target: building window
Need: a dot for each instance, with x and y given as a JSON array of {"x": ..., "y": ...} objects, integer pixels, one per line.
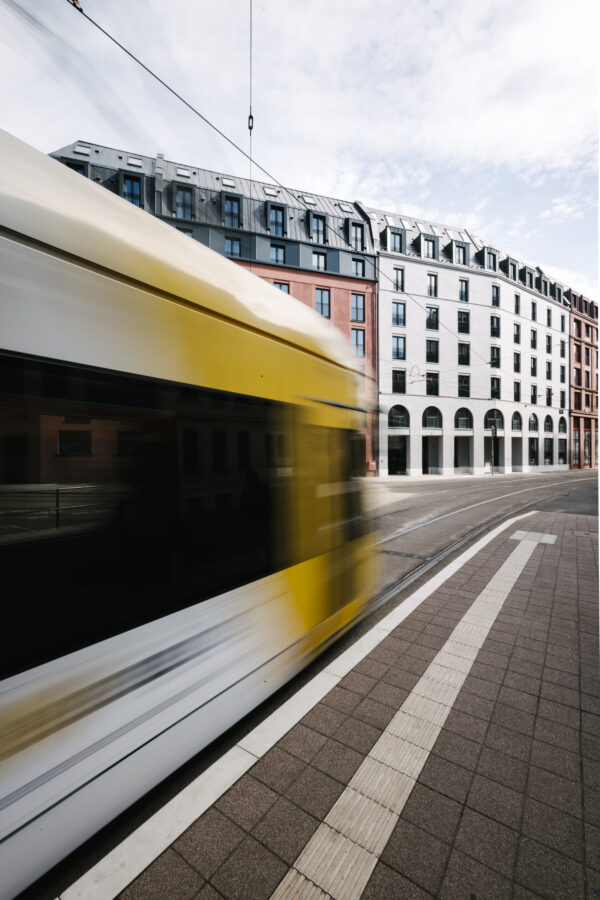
[
  {"x": 562, "y": 425},
  {"x": 461, "y": 255},
  {"x": 395, "y": 242},
  {"x": 530, "y": 279},
  {"x": 278, "y": 254},
  {"x": 548, "y": 343},
  {"x": 463, "y": 322},
  {"x": 318, "y": 229},
  {"x": 534, "y": 393},
  {"x": 356, "y": 236},
  {"x": 533, "y": 365},
  {"x": 398, "y": 314},
  {"x": 495, "y": 357},
  {"x": 358, "y": 342},
  {"x": 282, "y": 286},
  {"x": 464, "y": 385},
  {"x": 495, "y": 326},
  {"x": 232, "y": 212},
  {"x": 549, "y": 318},
  {"x": 463, "y": 290},
  {"x": 548, "y": 396},
  {"x": 533, "y": 310},
  {"x": 495, "y": 295},
  {"x": 533, "y": 422},
  {"x": 432, "y": 418},
  {"x": 432, "y": 381},
  {"x": 562, "y": 323},
  {"x": 495, "y": 388},
  {"x": 517, "y": 422},
  {"x": 491, "y": 260},
  {"x": 399, "y": 280},
  {"x": 432, "y": 286},
  {"x": 563, "y": 399},
  {"x": 513, "y": 271},
  {"x": 463, "y": 418},
  {"x": 517, "y": 304},
  {"x": 432, "y": 352},
  {"x": 464, "y": 354},
  {"x": 322, "y": 301},
  {"x": 318, "y": 261},
  {"x": 132, "y": 185},
  {"x": 429, "y": 248},
  {"x": 276, "y": 220},
  {"x": 398, "y": 381},
  {"x": 563, "y": 349},
  {"x": 184, "y": 203},
  {"x": 358, "y": 308},
  {"x": 74, "y": 443},
  {"x": 398, "y": 417},
  {"x": 432, "y": 319},
  {"x": 358, "y": 268},
  {"x": 232, "y": 247},
  {"x": 548, "y": 370},
  {"x": 533, "y": 341},
  {"x": 517, "y": 333},
  {"x": 517, "y": 392},
  {"x": 516, "y": 362},
  {"x": 398, "y": 347}
]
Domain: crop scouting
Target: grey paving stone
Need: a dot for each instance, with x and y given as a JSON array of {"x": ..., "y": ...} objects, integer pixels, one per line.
[
  {"x": 515, "y": 719},
  {"x": 372, "y": 668},
  {"x": 590, "y": 746},
  {"x": 466, "y": 726},
  {"x": 555, "y": 791},
  {"x": 360, "y": 684},
  {"x": 593, "y": 883},
  {"x": 496, "y": 801},
  {"x": 526, "y": 667},
  {"x": 302, "y": 742},
  {"x": 488, "y": 841},
  {"x": 400, "y": 678},
  {"x": 487, "y": 672},
  {"x": 590, "y": 704},
  {"x": 457, "y": 749},
  {"x": 246, "y": 802},
  {"x": 385, "y": 884},
  {"x": 209, "y": 841},
  {"x": 504, "y": 769},
  {"x": 358, "y": 735},
  {"x": 481, "y": 687},
  {"x": 548, "y": 872},
  {"x": 380, "y": 654},
  {"x": 388, "y": 694},
  {"x": 507, "y": 741},
  {"x": 341, "y": 699},
  {"x": 592, "y": 846},
  {"x": 323, "y": 719},
  {"x": 521, "y": 682},
  {"x": 517, "y": 699},
  {"x": 433, "y": 812},
  {"x": 556, "y": 760},
  {"x": 591, "y": 806},
  {"x": 277, "y": 769},
  {"x": 447, "y": 778},
  {"x": 466, "y": 878},
  {"x": 373, "y": 713},
  {"x": 315, "y": 792},
  {"x": 591, "y": 774},
  {"x": 208, "y": 893},
  {"x": 168, "y": 876},
  {"x": 411, "y": 664},
  {"x": 251, "y": 871},
  {"x": 474, "y": 706},
  {"x": 590, "y": 723},
  {"x": 560, "y": 694},
  {"x": 553, "y": 828},
  {"x": 337, "y": 760},
  {"x": 417, "y": 855},
  {"x": 556, "y": 734},
  {"x": 286, "y": 830}
]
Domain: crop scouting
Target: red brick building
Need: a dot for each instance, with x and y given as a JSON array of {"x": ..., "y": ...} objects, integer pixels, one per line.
[{"x": 583, "y": 345}]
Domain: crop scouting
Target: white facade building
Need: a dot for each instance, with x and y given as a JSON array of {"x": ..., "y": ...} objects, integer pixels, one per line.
[{"x": 470, "y": 342}]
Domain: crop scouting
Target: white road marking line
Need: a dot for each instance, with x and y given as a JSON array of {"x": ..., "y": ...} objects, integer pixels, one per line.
[
  {"x": 124, "y": 863},
  {"x": 341, "y": 862}
]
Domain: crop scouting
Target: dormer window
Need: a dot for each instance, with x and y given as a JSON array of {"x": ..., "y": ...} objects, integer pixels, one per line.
[
  {"x": 429, "y": 248},
  {"x": 356, "y": 236},
  {"x": 395, "y": 242},
  {"x": 232, "y": 212},
  {"x": 317, "y": 231},
  {"x": 460, "y": 254},
  {"x": 512, "y": 271},
  {"x": 276, "y": 220},
  {"x": 491, "y": 260}
]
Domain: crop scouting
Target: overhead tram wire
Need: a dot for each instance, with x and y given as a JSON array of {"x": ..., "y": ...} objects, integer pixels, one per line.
[
  {"x": 77, "y": 5},
  {"x": 250, "y": 127}
]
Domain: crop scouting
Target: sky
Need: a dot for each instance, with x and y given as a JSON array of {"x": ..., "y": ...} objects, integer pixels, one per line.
[{"x": 473, "y": 113}]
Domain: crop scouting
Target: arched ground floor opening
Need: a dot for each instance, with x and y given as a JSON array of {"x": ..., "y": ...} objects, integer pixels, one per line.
[{"x": 398, "y": 453}]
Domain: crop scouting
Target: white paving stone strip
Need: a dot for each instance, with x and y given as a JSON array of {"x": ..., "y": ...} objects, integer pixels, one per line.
[
  {"x": 392, "y": 767},
  {"x": 122, "y": 865}
]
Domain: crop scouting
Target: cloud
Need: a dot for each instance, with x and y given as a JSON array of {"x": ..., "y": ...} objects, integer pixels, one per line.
[{"x": 569, "y": 206}]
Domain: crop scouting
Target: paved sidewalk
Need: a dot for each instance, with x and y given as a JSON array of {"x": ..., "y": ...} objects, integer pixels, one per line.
[{"x": 459, "y": 759}]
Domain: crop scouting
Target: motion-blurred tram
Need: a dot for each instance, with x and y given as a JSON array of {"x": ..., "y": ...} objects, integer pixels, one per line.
[{"x": 180, "y": 523}]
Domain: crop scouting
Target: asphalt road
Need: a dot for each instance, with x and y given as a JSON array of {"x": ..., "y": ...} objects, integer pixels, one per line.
[{"x": 416, "y": 519}]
